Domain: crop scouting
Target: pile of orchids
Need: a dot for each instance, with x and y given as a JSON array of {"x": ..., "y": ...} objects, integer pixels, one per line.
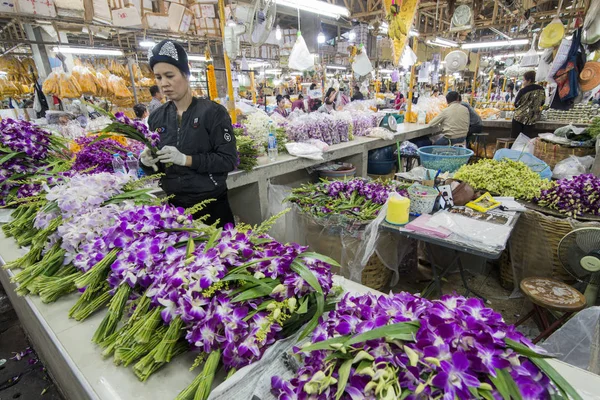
[
  {"x": 406, "y": 347},
  {"x": 28, "y": 156},
  {"x": 169, "y": 284},
  {"x": 247, "y": 149},
  {"x": 93, "y": 154},
  {"x": 358, "y": 199}
]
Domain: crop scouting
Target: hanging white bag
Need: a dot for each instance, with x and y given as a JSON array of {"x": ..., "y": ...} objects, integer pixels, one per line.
[
  {"x": 300, "y": 57},
  {"x": 531, "y": 58},
  {"x": 362, "y": 65}
]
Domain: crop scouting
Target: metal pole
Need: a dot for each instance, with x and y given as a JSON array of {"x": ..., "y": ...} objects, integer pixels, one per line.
[
  {"x": 412, "y": 80},
  {"x": 475, "y": 80},
  {"x": 253, "y": 87},
  {"x": 231, "y": 102},
  {"x": 129, "y": 65}
]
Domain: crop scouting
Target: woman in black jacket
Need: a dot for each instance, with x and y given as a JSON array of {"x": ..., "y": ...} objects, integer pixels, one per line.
[{"x": 197, "y": 145}]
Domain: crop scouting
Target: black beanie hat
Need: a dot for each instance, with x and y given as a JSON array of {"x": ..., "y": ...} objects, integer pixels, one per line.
[{"x": 169, "y": 52}]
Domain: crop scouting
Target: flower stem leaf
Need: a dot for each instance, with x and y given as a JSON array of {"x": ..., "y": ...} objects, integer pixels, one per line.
[
  {"x": 311, "y": 279},
  {"x": 557, "y": 378},
  {"x": 343, "y": 375}
]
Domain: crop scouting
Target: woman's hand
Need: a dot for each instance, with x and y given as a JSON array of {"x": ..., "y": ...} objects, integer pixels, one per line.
[
  {"x": 147, "y": 160},
  {"x": 170, "y": 154}
]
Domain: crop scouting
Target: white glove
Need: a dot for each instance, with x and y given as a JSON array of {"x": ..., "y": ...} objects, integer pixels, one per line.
[
  {"x": 147, "y": 160},
  {"x": 170, "y": 154}
]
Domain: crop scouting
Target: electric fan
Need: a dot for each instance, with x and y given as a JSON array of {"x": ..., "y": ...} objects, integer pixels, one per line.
[
  {"x": 455, "y": 61},
  {"x": 260, "y": 20},
  {"x": 579, "y": 253},
  {"x": 462, "y": 18}
]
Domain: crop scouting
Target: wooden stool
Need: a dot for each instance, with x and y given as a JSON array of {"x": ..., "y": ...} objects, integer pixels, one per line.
[
  {"x": 503, "y": 143},
  {"x": 549, "y": 294},
  {"x": 476, "y": 140}
]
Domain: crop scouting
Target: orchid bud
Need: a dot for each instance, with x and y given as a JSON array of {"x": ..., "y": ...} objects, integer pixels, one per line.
[
  {"x": 291, "y": 302},
  {"x": 259, "y": 275},
  {"x": 180, "y": 219},
  {"x": 432, "y": 360},
  {"x": 311, "y": 388},
  {"x": 366, "y": 371},
  {"x": 336, "y": 346},
  {"x": 413, "y": 356},
  {"x": 370, "y": 387},
  {"x": 362, "y": 355},
  {"x": 271, "y": 306},
  {"x": 420, "y": 388},
  {"x": 390, "y": 394},
  {"x": 485, "y": 386},
  {"x": 276, "y": 313},
  {"x": 278, "y": 289}
]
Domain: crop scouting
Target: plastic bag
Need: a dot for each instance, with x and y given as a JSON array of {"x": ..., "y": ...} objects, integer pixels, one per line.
[
  {"x": 362, "y": 65},
  {"x": 572, "y": 166},
  {"x": 304, "y": 150},
  {"x": 382, "y": 133},
  {"x": 300, "y": 57},
  {"x": 569, "y": 131},
  {"x": 532, "y": 162},
  {"x": 543, "y": 69},
  {"x": 523, "y": 143}
]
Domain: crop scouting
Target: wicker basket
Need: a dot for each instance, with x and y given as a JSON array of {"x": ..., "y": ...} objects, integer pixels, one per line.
[
  {"x": 376, "y": 275},
  {"x": 534, "y": 248},
  {"x": 552, "y": 153}
]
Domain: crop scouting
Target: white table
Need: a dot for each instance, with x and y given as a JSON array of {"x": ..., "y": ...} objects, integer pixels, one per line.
[{"x": 81, "y": 373}]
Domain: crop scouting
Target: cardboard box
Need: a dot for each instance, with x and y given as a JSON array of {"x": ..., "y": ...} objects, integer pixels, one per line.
[
  {"x": 196, "y": 10},
  {"x": 116, "y": 4},
  {"x": 127, "y": 17},
  {"x": 8, "y": 6},
  {"x": 98, "y": 11},
  {"x": 203, "y": 1},
  {"x": 156, "y": 21},
  {"x": 44, "y": 8},
  {"x": 207, "y": 10},
  {"x": 70, "y": 8},
  {"x": 180, "y": 18}
]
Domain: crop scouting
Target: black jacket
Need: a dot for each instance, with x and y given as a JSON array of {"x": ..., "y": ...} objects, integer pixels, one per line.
[{"x": 205, "y": 134}]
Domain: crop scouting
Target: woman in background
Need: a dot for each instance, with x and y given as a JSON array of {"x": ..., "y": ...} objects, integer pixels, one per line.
[
  {"x": 329, "y": 105},
  {"x": 281, "y": 110}
]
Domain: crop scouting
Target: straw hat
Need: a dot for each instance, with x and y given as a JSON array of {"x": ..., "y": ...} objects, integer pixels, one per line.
[{"x": 589, "y": 77}]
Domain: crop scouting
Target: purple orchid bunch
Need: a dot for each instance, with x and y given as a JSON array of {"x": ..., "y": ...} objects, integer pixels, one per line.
[
  {"x": 28, "y": 155},
  {"x": 96, "y": 155},
  {"x": 405, "y": 346},
  {"x": 358, "y": 198},
  {"x": 574, "y": 196}
]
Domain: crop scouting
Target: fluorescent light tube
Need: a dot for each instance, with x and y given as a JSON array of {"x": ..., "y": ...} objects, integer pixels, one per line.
[
  {"x": 445, "y": 42},
  {"x": 336, "y": 67},
  {"x": 273, "y": 71},
  {"x": 519, "y": 54},
  {"x": 147, "y": 43},
  {"x": 86, "y": 50},
  {"x": 196, "y": 70},
  {"x": 431, "y": 42},
  {"x": 499, "y": 43},
  {"x": 196, "y": 58},
  {"x": 296, "y": 73},
  {"x": 386, "y": 71},
  {"x": 316, "y": 7}
]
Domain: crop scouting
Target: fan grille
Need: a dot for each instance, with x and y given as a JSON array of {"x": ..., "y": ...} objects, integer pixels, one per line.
[{"x": 574, "y": 246}]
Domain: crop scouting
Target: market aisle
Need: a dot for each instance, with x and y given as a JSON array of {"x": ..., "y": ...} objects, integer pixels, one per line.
[{"x": 32, "y": 380}]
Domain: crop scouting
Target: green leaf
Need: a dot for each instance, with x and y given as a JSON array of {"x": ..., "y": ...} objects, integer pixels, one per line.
[
  {"x": 255, "y": 292},
  {"x": 303, "y": 306},
  {"x": 343, "y": 375},
  {"x": 510, "y": 384},
  {"x": 248, "y": 264},
  {"x": 249, "y": 278},
  {"x": 389, "y": 331},
  {"x": 211, "y": 242},
  {"x": 9, "y": 156},
  {"x": 320, "y": 257},
  {"x": 325, "y": 344},
  {"x": 500, "y": 384},
  {"x": 557, "y": 378},
  {"x": 524, "y": 350},
  {"x": 311, "y": 279},
  {"x": 474, "y": 392},
  {"x": 405, "y": 394},
  {"x": 486, "y": 394}
]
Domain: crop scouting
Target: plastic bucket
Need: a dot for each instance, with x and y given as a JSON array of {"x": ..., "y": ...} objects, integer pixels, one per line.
[
  {"x": 444, "y": 158},
  {"x": 343, "y": 174}
]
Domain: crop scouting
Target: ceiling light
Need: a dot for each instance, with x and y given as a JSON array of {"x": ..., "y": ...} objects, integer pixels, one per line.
[
  {"x": 330, "y": 75},
  {"x": 196, "y": 58},
  {"x": 305, "y": 84},
  {"x": 499, "y": 43},
  {"x": 316, "y": 7},
  {"x": 278, "y": 33},
  {"x": 321, "y": 38},
  {"x": 386, "y": 71},
  {"x": 352, "y": 36},
  {"x": 295, "y": 73},
  {"x": 336, "y": 67},
  {"x": 445, "y": 42},
  {"x": 147, "y": 43},
  {"x": 86, "y": 50},
  {"x": 519, "y": 54},
  {"x": 273, "y": 71},
  {"x": 258, "y": 64},
  {"x": 196, "y": 70}
]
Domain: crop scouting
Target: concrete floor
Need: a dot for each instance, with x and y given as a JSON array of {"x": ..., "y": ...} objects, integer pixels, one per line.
[{"x": 24, "y": 379}]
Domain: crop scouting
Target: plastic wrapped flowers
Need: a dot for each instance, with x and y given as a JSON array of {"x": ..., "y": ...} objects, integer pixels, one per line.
[
  {"x": 357, "y": 198},
  {"x": 575, "y": 197},
  {"x": 94, "y": 155},
  {"x": 27, "y": 151},
  {"x": 403, "y": 346}
]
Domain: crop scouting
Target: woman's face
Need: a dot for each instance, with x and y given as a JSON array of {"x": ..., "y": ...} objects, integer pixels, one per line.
[{"x": 171, "y": 81}]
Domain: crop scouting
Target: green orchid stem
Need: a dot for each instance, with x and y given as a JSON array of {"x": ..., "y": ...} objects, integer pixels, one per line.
[
  {"x": 92, "y": 306},
  {"x": 97, "y": 272},
  {"x": 164, "y": 351},
  {"x": 128, "y": 354},
  {"x": 53, "y": 288},
  {"x": 115, "y": 312},
  {"x": 48, "y": 265},
  {"x": 147, "y": 330}
]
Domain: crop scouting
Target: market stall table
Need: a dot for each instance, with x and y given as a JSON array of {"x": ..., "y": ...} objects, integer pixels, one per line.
[
  {"x": 81, "y": 373},
  {"x": 454, "y": 243}
]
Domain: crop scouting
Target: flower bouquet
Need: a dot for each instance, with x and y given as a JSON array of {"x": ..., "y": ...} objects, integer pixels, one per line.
[
  {"x": 356, "y": 199},
  {"x": 246, "y": 148},
  {"x": 574, "y": 197},
  {"x": 28, "y": 156},
  {"x": 93, "y": 155},
  {"x": 406, "y": 347}
]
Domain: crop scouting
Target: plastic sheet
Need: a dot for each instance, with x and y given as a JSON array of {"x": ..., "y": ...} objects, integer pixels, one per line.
[
  {"x": 349, "y": 242},
  {"x": 578, "y": 341},
  {"x": 532, "y": 162},
  {"x": 300, "y": 57},
  {"x": 523, "y": 143},
  {"x": 572, "y": 166},
  {"x": 304, "y": 150}
]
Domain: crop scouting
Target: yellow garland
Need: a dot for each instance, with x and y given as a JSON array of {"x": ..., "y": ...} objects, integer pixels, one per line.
[{"x": 212, "y": 82}]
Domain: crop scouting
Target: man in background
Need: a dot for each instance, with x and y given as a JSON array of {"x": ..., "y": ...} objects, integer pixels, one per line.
[
  {"x": 156, "y": 99},
  {"x": 357, "y": 94},
  {"x": 454, "y": 121}
]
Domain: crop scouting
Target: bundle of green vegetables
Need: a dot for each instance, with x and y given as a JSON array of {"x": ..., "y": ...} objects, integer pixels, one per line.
[
  {"x": 503, "y": 178},
  {"x": 246, "y": 147}
]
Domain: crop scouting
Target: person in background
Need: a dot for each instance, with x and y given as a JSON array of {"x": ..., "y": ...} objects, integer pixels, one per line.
[
  {"x": 299, "y": 103},
  {"x": 510, "y": 93},
  {"x": 156, "y": 99},
  {"x": 475, "y": 123},
  {"x": 141, "y": 113},
  {"x": 313, "y": 104},
  {"x": 357, "y": 94},
  {"x": 281, "y": 110},
  {"x": 329, "y": 105},
  {"x": 400, "y": 101},
  {"x": 435, "y": 93},
  {"x": 528, "y": 106},
  {"x": 197, "y": 145},
  {"x": 454, "y": 121},
  {"x": 343, "y": 98}
]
